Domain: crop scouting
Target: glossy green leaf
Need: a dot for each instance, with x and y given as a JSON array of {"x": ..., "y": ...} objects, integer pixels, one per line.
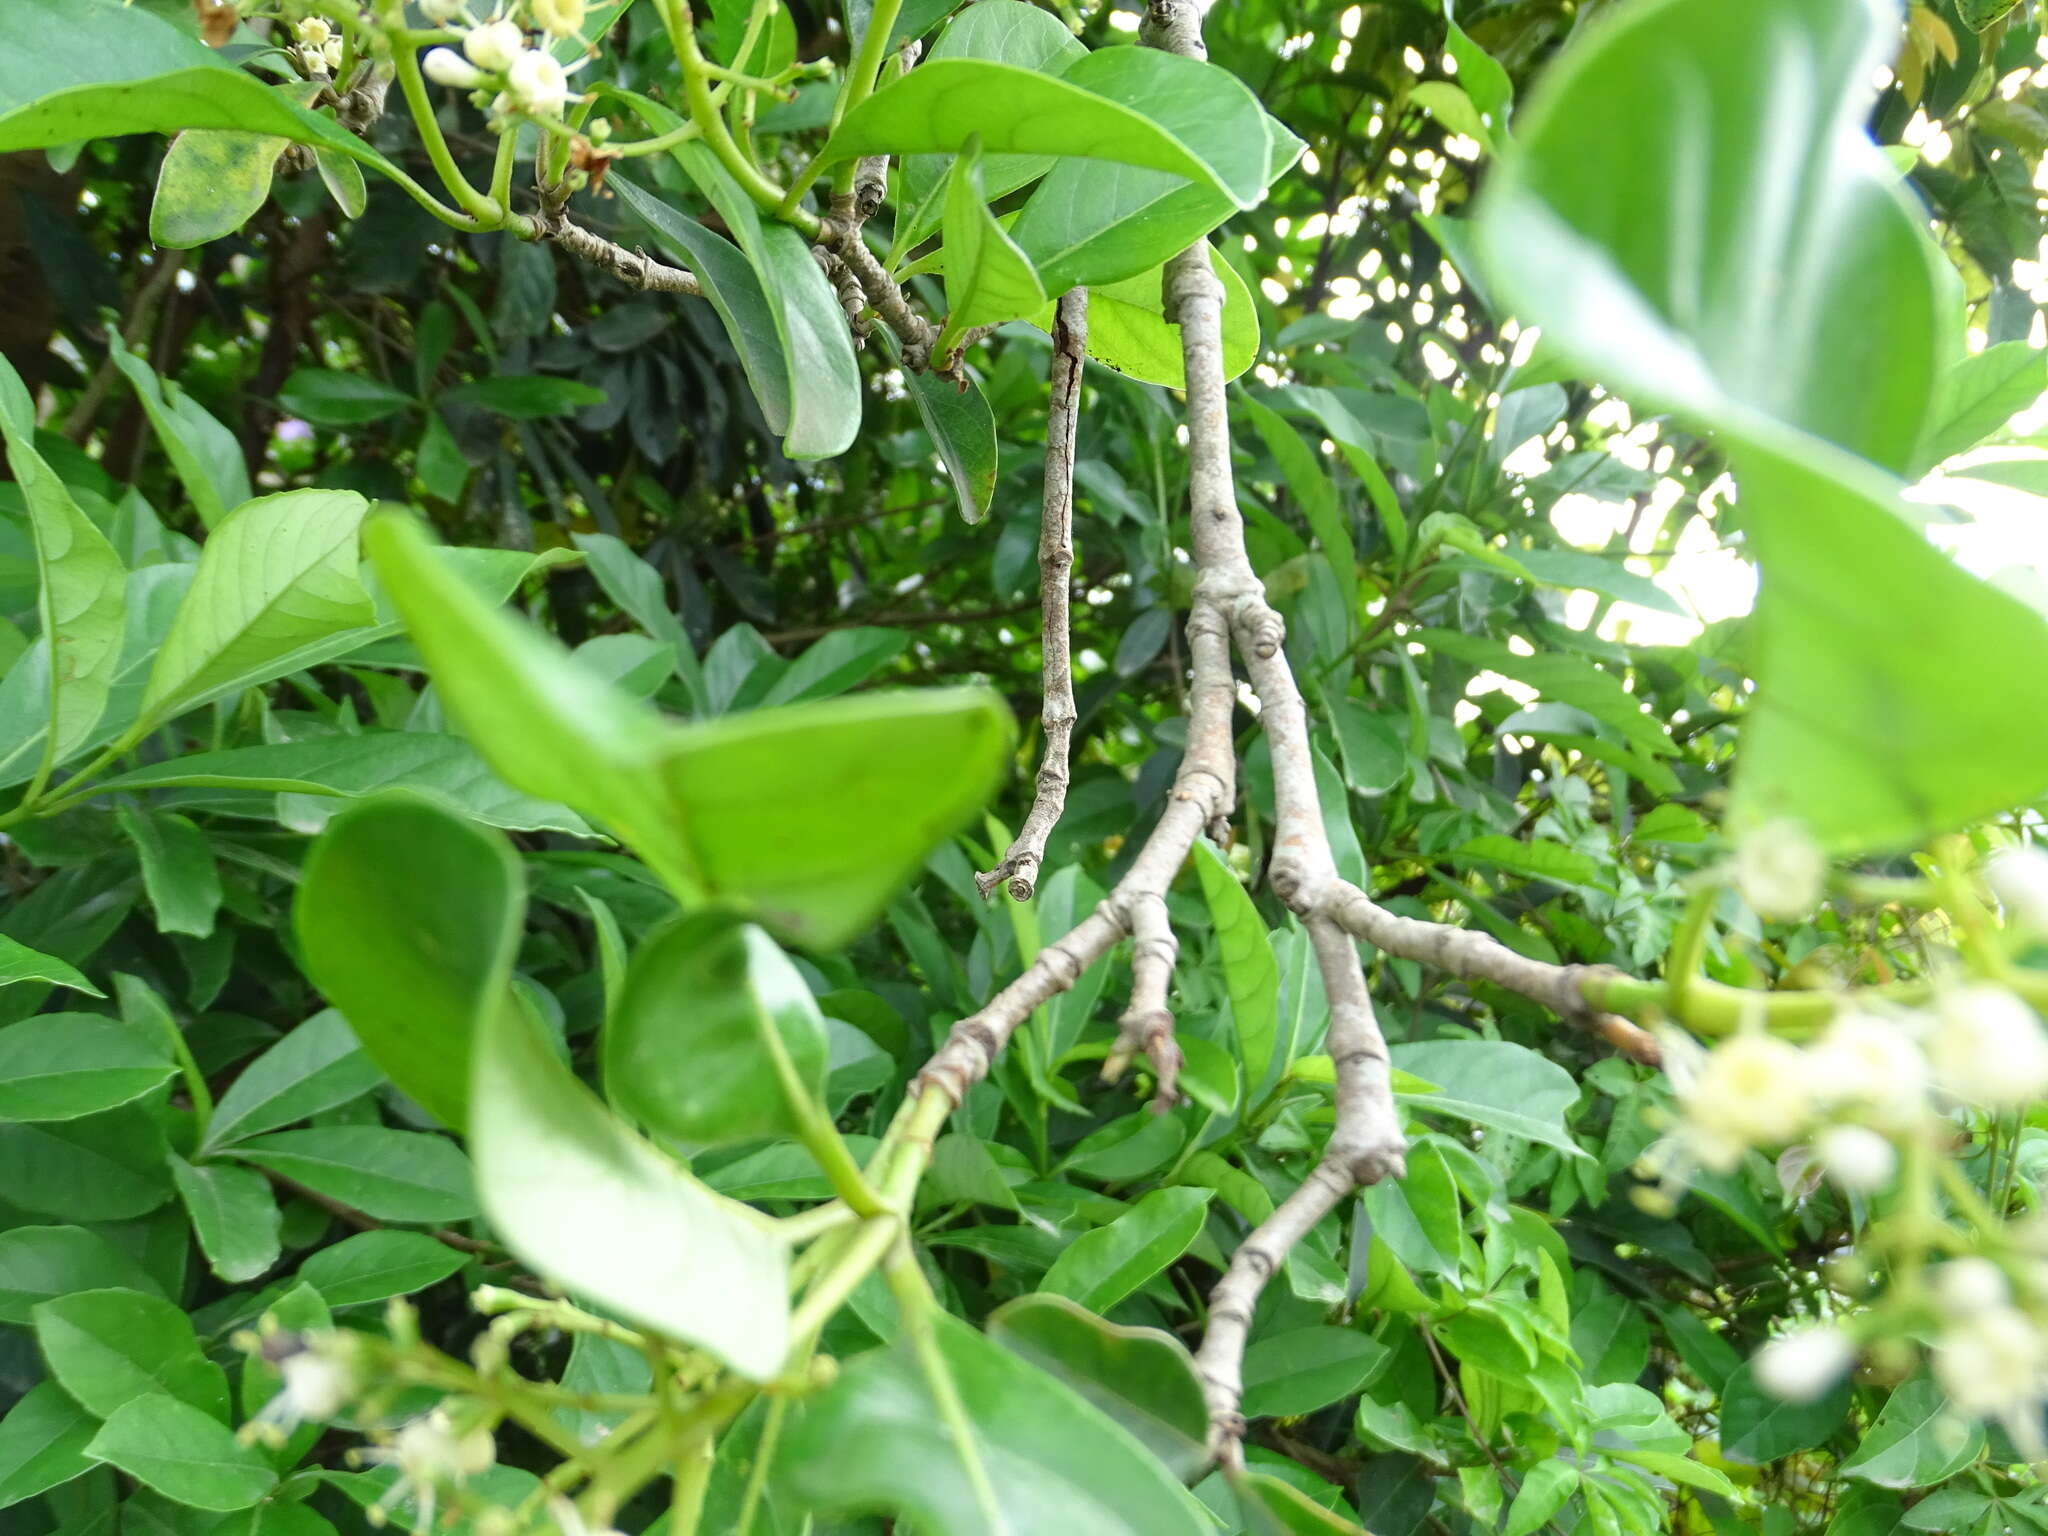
[
  {"x": 315, "y": 1067},
  {"x": 205, "y": 453},
  {"x": 1128, "y": 329},
  {"x": 1915, "y": 1441},
  {"x": 1559, "y": 675},
  {"x": 1296, "y": 1372},
  {"x": 1142, "y": 1378},
  {"x": 38, "y": 1263},
  {"x": 58, "y": 1066},
  {"x": 343, "y": 179},
  {"x": 408, "y": 919},
  {"x": 716, "y": 1037},
  {"x": 374, "y": 1266},
  {"x": 183, "y": 1453},
  {"x": 328, "y": 397},
  {"x": 234, "y": 1216},
  {"x": 276, "y": 574},
  {"x": 103, "y": 1167},
  {"x": 963, "y": 430},
  {"x": 81, "y": 597},
  {"x": 403, "y": 1176},
  {"x": 107, "y": 1348},
  {"x": 988, "y": 280},
  {"x": 20, "y": 963},
  {"x": 876, "y": 1440},
  {"x": 1272, "y": 1506},
  {"x": 1545, "y": 1488},
  {"x": 1494, "y": 1083},
  {"x": 1536, "y": 857},
  {"x": 87, "y": 69},
  {"x": 638, "y": 589},
  {"x": 211, "y": 184},
  {"x": 42, "y": 1443},
  {"x": 526, "y": 397},
  {"x": 1757, "y": 1428},
  {"x": 1102, "y": 1267},
  {"x": 1983, "y": 391},
  {"x": 444, "y": 769},
  {"x": 1574, "y": 568},
  {"x": 178, "y": 871},
  {"x": 1249, "y": 970},
  {"x": 604, "y": 1214}
]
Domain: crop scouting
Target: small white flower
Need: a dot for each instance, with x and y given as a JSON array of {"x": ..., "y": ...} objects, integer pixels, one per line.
[
  {"x": 494, "y": 45},
  {"x": 1993, "y": 1363},
  {"x": 1856, "y": 1158},
  {"x": 332, "y": 54},
  {"x": 559, "y": 18},
  {"x": 444, "y": 66},
  {"x": 442, "y": 10},
  {"x": 2018, "y": 877},
  {"x": 429, "y": 1456},
  {"x": 315, "y": 32},
  {"x": 1873, "y": 1063},
  {"x": 1779, "y": 870},
  {"x": 1751, "y": 1091},
  {"x": 569, "y": 1520},
  {"x": 1798, "y": 1367},
  {"x": 536, "y": 83},
  {"x": 1966, "y": 1287},
  {"x": 1988, "y": 1048},
  {"x": 319, "y": 1380}
]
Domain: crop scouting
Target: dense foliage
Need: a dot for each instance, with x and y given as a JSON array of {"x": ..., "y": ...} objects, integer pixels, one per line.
[{"x": 536, "y": 992}]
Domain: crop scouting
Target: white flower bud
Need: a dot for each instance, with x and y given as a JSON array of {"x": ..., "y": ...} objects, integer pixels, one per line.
[
  {"x": 1798, "y": 1367},
  {"x": 1752, "y": 1090},
  {"x": 332, "y": 54},
  {"x": 494, "y": 45},
  {"x": 1966, "y": 1287},
  {"x": 1779, "y": 869},
  {"x": 317, "y": 1385},
  {"x": 444, "y": 66},
  {"x": 441, "y": 10},
  {"x": 1871, "y": 1062},
  {"x": 1856, "y": 1158},
  {"x": 537, "y": 83},
  {"x": 314, "y": 32},
  {"x": 429, "y": 1451},
  {"x": 1988, "y": 1048},
  {"x": 1992, "y": 1362},
  {"x": 559, "y": 18},
  {"x": 2018, "y": 877}
]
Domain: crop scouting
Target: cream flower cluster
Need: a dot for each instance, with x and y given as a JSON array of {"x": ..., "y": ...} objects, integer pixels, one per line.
[
  {"x": 495, "y": 54},
  {"x": 320, "y": 46}
]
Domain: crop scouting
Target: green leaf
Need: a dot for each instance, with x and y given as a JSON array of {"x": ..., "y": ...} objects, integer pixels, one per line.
[
  {"x": 405, "y": 1176},
  {"x": 963, "y": 431},
  {"x": 1757, "y": 1428},
  {"x": 205, "y": 454},
  {"x": 1897, "y": 695},
  {"x": 343, "y": 179},
  {"x": 81, "y": 597},
  {"x": 878, "y": 1440},
  {"x": 526, "y": 397},
  {"x": 408, "y": 919},
  {"x": 1449, "y": 105},
  {"x": 835, "y": 663},
  {"x": 234, "y": 1216},
  {"x": 1249, "y": 972},
  {"x": 729, "y": 282},
  {"x": 1981, "y": 393},
  {"x": 602, "y": 1213},
  {"x": 1537, "y": 857},
  {"x": 939, "y": 106},
  {"x": 277, "y": 574},
  {"x": 1679, "y": 1469},
  {"x": 183, "y": 1453},
  {"x": 1271, "y": 1506},
  {"x": 1566, "y": 568},
  {"x": 329, "y": 398},
  {"x": 90, "y": 69},
  {"x": 38, "y": 1263},
  {"x": 42, "y": 1443},
  {"x": 58, "y": 1066},
  {"x": 1561, "y": 676},
  {"x": 103, "y": 1167},
  {"x": 178, "y": 871},
  {"x": 1102, "y": 1267},
  {"x": 1916, "y": 1441},
  {"x": 808, "y": 817},
  {"x": 1128, "y": 329},
  {"x": 1302, "y": 471},
  {"x": 1142, "y": 1378},
  {"x": 20, "y": 963},
  {"x": 638, "y": 589},
  {"x": 1545, "y": 1488},
  {"x": 212, "y": 183},
  {"x": 109, "y": 1347},
  {"x": 316, "y": 1067},
  {"x": 374, "y": 1266},
  {"x": 444, "y": 769},
  {"x": 988, "y": 280},
  {"x": 716, "y": 1037},
  {"x": 1297, "y": 1372},
  {"x": 1494, "y": 1083}
]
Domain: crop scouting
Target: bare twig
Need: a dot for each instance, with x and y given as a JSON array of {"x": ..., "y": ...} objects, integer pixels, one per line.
[
  {"x": 916, "y": 333},
  {"x": 1147, "y": 1025},
  {"x": 1019, "y": 866},
  {"x": 634, "y": 268},
  {"x": 141, "y": 318}
]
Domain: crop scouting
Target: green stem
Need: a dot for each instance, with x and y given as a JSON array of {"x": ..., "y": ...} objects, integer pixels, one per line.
[
  {"x": 915, "y": 1300},
  {"x": 867, "y": 65},
  {"x": 757, "y": 1475},
  {"x": 692, "y": 1477},
  {"x": 405, "y": 60},
  {"x": 501, "y": 168},
  {"x": 1714, "y": 1008},
  {"x": 704, "y": 108},
  {"x": 1689, "y": 946}
]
